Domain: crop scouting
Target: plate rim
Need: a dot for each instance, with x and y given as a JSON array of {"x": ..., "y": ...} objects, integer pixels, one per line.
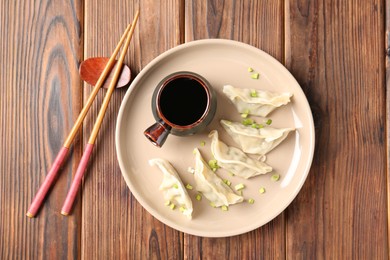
[{"x": 133, "y": 86}]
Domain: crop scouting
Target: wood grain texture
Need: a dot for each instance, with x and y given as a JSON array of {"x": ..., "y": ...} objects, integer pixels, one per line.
[
  {"x": 115, "y": 226},
  {"x": 41, "y": 47},
  {"x": 387, "y": 61},
  {"x": 259, "y": 23},
  {"x": 335, "y": 50}
]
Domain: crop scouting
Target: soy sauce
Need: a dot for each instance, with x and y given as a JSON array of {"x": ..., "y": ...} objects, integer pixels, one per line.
[{"x": 183, "y": 101}]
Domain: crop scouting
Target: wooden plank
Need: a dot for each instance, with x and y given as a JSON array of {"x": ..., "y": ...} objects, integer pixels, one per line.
[
  {"x": 387, "y": 46},
  {"x": 259, "y": 23},
  {"x": 115, "y": 226},
  {"x": 335, "y": 49},
  {"x": 41, "y": 47}
]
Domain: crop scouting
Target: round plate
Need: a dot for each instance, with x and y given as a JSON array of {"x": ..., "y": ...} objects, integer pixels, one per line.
[{"x": 221, "y": 62}]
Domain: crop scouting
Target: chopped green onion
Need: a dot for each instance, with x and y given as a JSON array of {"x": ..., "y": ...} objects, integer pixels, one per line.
[
  {"x": 255, "y": 76},
  {"x": 250, "y": 69},
  {"x": 262, "y": 190},
  {"x": 194, "y": 151},
  {"x": 275, "y": 177},
  {"x": 269, "y": 121},
  {"x": 227, "y": 182},
  {"x": 245, "y": 113},
  {"x": 189, "y": 187},
  {"x": 257, "y": 126},
  {"x": 225, "y": 208},
  {"x": 239, "y": 186},
  {"x": 172, "y": 206},
  {"x": 175, "y": 186},
  {"x": 212, "y": 204},
  {"x": 214, "y": 165},
  {"x": 251, "y": 201},
  {"x": 239, "y": 192},
  {"x": 182, "y": 209},
  {"x": 167, "y": 203},
  {"x": 198, "y": 197},
  {"x": 253, "y": 93},
  {"x": 247, "y": 121},
  {"x": 202, "y": 143},
  {"x": 231, "y": 174}
]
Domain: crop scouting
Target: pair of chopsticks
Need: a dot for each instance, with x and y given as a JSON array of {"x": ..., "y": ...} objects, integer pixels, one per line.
[{"x": 39, "y": 197}]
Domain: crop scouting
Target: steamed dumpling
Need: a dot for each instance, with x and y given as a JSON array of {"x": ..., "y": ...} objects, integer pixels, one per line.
[
  {"x": 255, "y": 102},
  {"x": 173, "y": 188},
  {"x": 211, "y": 186},
  {"x": 236, "y": 161},
  {"x": 253, "y": 140}
]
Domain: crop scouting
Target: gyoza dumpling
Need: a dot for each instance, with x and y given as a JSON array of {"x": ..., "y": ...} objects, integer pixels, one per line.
[
  {"x": 253, "y": 140},
  {"x": 255, "y": 102},
  {"x": 236, "y": 161},
  {"x": 173, "y": 188},
  {"x": 211, "y": 186}
]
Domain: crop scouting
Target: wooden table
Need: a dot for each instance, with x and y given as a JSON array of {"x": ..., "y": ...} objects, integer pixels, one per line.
[{"x": 335, "y": 49}]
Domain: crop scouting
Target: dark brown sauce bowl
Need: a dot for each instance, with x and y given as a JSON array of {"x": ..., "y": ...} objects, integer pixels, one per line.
[{"x": 159, "y": 131}]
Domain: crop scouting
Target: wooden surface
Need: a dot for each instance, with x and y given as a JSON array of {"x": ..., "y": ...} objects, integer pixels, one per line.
[{"x": 335, "y": 49}]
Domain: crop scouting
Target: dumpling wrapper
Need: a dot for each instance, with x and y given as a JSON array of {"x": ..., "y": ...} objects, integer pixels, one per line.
[
  {"x": 261, "y": 105},
  {"x": 236, "y": 161},
  {"x": 211, "y": 186},
  {"x": 253, "y": 140},
  {"x": 173, "y": 188}
]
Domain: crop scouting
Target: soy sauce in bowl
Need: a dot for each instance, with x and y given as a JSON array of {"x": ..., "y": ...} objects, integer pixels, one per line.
[{"x": 183, "y": 101}]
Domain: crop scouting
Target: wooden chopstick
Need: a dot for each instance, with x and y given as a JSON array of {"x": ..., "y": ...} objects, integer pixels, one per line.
[
  {"x": 89, "y": 147},
  {"x": 107, "y": 69},
  {"x": 51, "y": 176}
]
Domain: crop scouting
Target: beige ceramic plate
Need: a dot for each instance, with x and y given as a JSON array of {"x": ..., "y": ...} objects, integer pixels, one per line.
[{"x": 221, "y": 62}]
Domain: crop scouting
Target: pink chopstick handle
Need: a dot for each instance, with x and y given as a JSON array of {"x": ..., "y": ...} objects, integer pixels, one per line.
[
  {"x": 50, "y": 177},
  {"x": 77, "y": 180}
]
